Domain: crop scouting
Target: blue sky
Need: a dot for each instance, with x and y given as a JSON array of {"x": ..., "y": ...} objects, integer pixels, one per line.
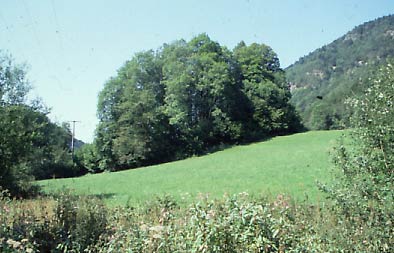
[{"x": 72, "y": 47}]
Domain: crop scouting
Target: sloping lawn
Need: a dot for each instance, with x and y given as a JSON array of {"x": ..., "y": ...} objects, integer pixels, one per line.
[{"x": 285, "y": 164}]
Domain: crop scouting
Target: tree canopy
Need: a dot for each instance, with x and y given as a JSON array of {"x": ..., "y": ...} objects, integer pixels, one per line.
[
  {"x": 187, "y": 97},
  {"x": 31, "y": 147}
]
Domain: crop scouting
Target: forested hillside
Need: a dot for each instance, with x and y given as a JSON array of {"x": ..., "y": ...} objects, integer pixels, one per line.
[
  {"x": 323, "y": 80},
  {"x": 187, "y": 97}
]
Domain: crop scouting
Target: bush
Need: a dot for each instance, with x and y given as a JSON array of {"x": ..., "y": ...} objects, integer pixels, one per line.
[
  {"x": 72, "y": 225},
  {"x": 364, "y": 193},
  {"x": 233, "y": 224}
]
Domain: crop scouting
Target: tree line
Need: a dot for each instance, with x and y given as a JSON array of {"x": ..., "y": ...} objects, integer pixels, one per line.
[
  {"x": 183, "y": 99},
  {"x": 31, "y": 146},
  {"x": 357, "y": 218},
  {"x": 186, "y": 98}
]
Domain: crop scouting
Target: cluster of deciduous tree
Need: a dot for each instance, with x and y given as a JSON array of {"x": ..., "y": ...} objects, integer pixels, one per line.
[
  {"x": 187, "y": 97},
  {"x": 358, "y": 217},
  {"x": 31, "y": 147}
]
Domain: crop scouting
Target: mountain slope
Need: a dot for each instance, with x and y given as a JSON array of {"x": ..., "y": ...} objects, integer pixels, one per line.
[{"x": 322, "y": 80}]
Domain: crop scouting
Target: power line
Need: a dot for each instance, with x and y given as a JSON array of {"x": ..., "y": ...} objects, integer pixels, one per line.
[
  {"x": 15, "y": 42},
  {"x": 33, "y": 30},
  {"x": 39, "y": 44},
  {"x": 5, "y": 23},
  {"x": 59, "y": 36}
]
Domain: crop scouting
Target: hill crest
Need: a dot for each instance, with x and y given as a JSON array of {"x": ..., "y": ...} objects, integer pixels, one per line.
[{"x": 334, "y": 72}]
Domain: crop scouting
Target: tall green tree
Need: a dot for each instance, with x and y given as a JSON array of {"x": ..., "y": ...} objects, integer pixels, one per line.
[
  {"x": 264, "y": 84},
  {"x": 30, "y": 145},
  {"x": 144, "y": 131},
  {"x": 13, "y": 83},
  {"x": 187, "y": 97},
  {"x": 199, "y": 84},
  {"x": 108, "y": 114}
]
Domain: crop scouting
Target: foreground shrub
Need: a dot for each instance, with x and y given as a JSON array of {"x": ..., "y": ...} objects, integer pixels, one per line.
[
  {"x": 233, "y": 224},
  {"x": 64, "y": 224},
  {"x": 363, "y": 195}
]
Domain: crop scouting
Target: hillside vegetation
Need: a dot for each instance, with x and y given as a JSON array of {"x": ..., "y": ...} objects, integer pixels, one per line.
[
  {"x": 189, "y": 212},
  {"x": 286, "y": 164},
  {"x": 323, "y": 80},
  {"x": 358, "y": 217},
  {"x": 185, "y": 98}
]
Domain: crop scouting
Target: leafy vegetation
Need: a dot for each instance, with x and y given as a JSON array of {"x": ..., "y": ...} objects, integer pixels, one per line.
[
  {"x": 333, "y": 73},
  {"x": 358, "y": 218},
  {"x": 188, "y": 97},
  {"x": 234, "y": 224},
  {"x": 286, "y": 164},
  {"x": 31, "y": 147},
  {"x": 184, "y": 99},
  {"x": 364, "y": 193},
  {"x": 64, "y": 224}
]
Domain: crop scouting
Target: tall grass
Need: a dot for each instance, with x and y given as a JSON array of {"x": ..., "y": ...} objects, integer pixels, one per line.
[{"x": 237, "y": 223}]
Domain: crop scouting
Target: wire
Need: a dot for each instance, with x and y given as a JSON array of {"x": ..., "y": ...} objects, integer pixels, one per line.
[
  {"x": 33, "y": 30},
  {"x": 58, "y": 33},
  {"x": 14, "y": 42},
  {"x": 39, "y": 45}
]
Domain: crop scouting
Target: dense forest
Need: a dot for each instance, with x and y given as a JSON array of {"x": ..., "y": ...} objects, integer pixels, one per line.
[
  {"x": 322, "y": 81},
  {"x": 188, "y": 97}
]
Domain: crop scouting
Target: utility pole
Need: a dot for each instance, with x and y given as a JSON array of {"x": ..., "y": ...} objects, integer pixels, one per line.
[{"x": 73, "y": 137}]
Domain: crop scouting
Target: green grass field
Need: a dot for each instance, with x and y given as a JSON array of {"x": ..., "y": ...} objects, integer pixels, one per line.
[{"x": 285, "y": 164}]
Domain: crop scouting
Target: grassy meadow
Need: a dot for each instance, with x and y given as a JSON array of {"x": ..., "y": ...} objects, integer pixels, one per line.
[{"x": 282, "y": 165}]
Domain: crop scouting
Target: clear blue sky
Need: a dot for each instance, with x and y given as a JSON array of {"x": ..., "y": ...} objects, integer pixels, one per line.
[{"x": 72, "y": 47}]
